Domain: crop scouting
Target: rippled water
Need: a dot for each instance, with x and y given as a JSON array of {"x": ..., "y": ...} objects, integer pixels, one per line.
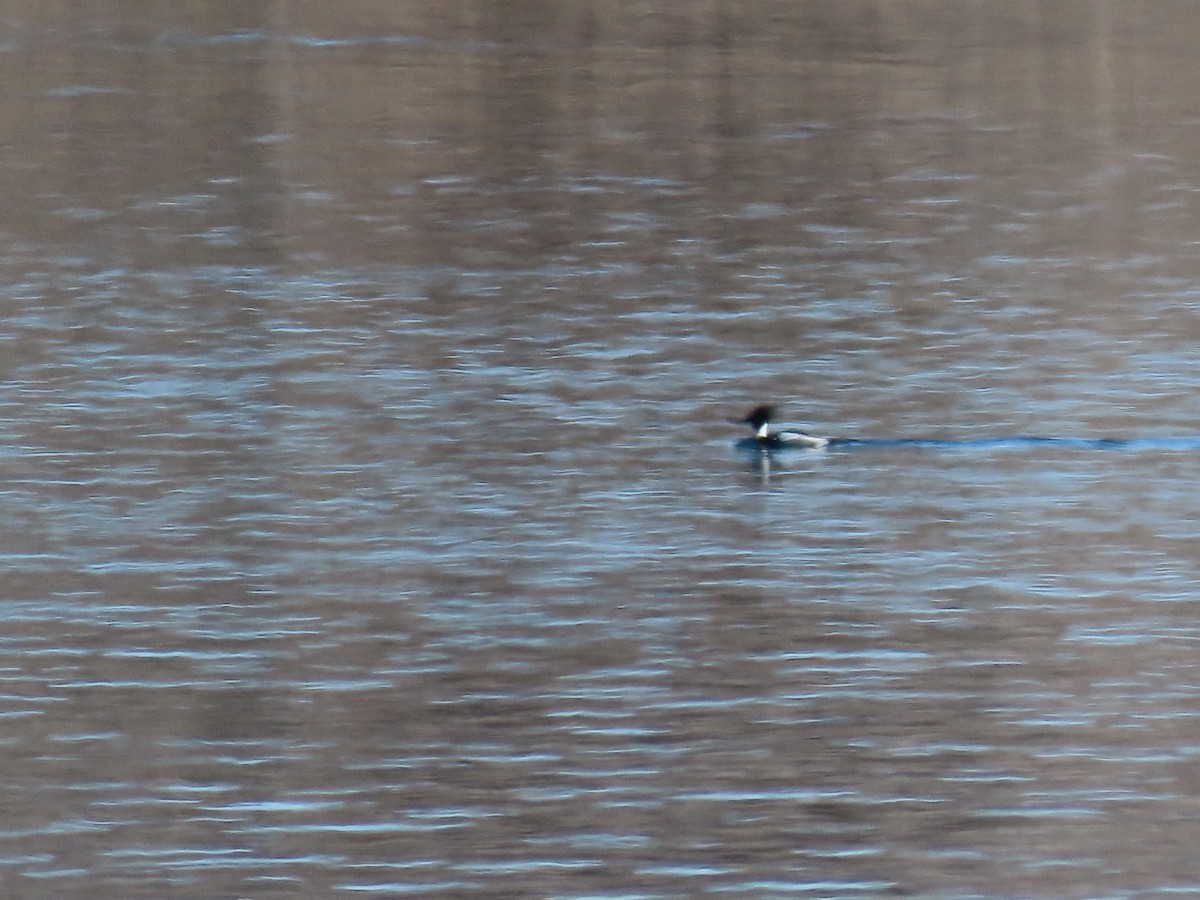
[{"x": 375, "y": 525}]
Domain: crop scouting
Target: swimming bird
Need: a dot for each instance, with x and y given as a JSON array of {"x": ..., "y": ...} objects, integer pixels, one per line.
[{"x": 765, "y": 438}]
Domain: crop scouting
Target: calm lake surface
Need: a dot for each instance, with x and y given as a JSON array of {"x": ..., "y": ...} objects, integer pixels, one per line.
[{"x": 373, "y": 525}]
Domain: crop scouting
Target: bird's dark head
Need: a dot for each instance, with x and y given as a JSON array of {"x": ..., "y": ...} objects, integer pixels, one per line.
[{"x": 759, "y": 416}]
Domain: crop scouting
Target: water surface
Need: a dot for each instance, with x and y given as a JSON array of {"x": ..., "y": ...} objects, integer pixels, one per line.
[{"x": 374, "y": 520}]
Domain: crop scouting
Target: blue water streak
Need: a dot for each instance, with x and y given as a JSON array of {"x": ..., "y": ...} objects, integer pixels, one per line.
[{"x": 1163, "y": 443}]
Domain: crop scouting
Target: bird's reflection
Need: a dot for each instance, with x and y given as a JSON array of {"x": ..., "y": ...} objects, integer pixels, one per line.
[{"x": 764, "y": 465}]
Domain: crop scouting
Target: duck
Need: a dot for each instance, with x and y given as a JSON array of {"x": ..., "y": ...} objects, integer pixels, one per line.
[{"x": 766, "y": 438}]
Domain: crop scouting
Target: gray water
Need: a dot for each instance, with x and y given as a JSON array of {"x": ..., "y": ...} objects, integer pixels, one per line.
[{"x": 374, "y": 525}]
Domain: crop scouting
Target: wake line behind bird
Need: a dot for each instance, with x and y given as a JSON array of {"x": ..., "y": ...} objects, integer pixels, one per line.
[{"x": 767, "y": 439}]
